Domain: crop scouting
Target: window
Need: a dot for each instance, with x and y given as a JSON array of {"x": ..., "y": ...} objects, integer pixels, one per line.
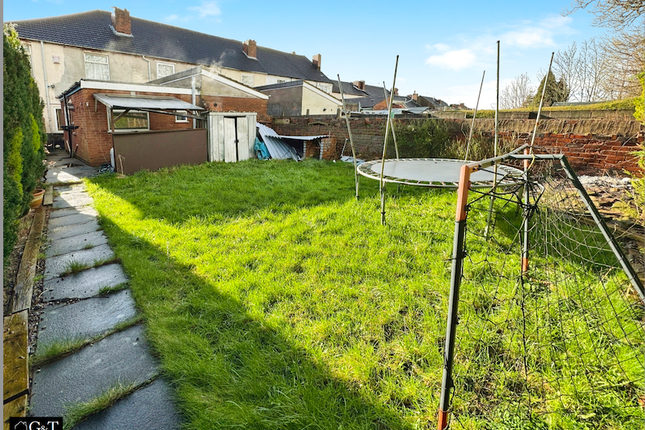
[
  {"x": 134, "y": 120},
  {"x": 247, "y": 79},
  {"x": 97, "y": 67},
  {"x": 165, "y": 69},
  {"x": 60, "y": 119},
  {"x": 180, "y": 118}
]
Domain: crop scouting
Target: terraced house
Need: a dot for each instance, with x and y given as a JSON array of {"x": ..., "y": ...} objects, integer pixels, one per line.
[{"x": 104, "y": 46}]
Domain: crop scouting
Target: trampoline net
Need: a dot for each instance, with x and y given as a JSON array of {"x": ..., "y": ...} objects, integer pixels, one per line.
[{"x": 559, "y": 346}]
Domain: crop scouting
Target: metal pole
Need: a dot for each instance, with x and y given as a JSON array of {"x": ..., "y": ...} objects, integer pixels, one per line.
[
  {"x": 492, "y": 197},
  {"x": 525, "y": 221},
  {"x": 387, "y": 127},
  {"x": 472, "y": 125},
  {"x": 546, "y": 79},
  {"x": 349, "y": 132},
  {"x": 458, "y": 255},
  {"x": 389, "y": 118},
  {"x": 615, "y": 247}
]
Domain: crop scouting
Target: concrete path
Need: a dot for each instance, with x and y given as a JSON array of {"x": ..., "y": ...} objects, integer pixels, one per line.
[{"x": 79, "y": 266}]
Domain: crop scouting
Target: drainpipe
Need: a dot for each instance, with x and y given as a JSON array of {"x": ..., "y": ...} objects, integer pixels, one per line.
[
  {"x": 192, "y": 96},
  {"x": 49, "y": 114},
  {"x": 148, "y": 61}
]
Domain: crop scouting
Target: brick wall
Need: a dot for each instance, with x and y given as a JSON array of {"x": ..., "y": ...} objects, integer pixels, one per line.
[
  {"x": 236, "y": 104},
  {"x": 591, "y": 153},
  {"x": 92, "y": 140}
]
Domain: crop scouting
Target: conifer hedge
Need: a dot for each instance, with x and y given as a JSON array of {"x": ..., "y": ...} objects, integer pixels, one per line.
[{"x": 23, "y": 137}]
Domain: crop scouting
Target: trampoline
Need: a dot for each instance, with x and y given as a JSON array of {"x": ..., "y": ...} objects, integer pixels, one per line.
[{"x": 436, "y": 173}]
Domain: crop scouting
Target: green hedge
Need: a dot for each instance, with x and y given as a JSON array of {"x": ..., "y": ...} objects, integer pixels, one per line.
[{"x": 23, "y": 137}]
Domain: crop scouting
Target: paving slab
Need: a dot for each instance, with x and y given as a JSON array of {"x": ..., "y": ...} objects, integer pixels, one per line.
[
  {"x": 15, "y": 408},
  {"x": 69, "y": 220},
  {"x": 70, "y": 174},
  {"x": 150, "y": 407},
  {"x": 88, "y": 283},
  {"x": 85, "y": 210},
  {"x": 56, "y": 265},
  {"x": 76, "y": 243},
  {"x": 85, "y": 319},
  {"x": 65, "y": 231},
  {"x": 119, "y": 358},
  {"x": 74, "y": 200}
]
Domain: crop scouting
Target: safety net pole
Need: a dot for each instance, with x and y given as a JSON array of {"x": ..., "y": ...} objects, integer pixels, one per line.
[
  {"x": 472, "y": 124},
  {"x": 387, "y": 127},
  {"x": 489, "y": 219},
  {"x": 390, "y": 120},
  {"x": 458, "y": 255},
  {"x": 349, "y": 132}
]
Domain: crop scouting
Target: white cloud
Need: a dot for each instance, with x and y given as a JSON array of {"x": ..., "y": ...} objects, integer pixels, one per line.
[
  {"x": 207, "y": 9},
  {"x": 532, "y": 37},
  {"x": 441, "y": 47},
  {"x": 453, "y": 60},
  {"x": 171, "y": 18}
]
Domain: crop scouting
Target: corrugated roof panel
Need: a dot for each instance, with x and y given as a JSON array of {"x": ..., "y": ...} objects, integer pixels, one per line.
[{"x": 158, "y": 103}]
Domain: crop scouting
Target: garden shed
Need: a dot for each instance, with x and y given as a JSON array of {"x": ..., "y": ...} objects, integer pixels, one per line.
[{"x": 231, "y": 136}]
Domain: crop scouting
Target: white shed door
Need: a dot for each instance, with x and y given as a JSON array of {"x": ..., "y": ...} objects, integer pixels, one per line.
[{"x": 231, "y": 141}]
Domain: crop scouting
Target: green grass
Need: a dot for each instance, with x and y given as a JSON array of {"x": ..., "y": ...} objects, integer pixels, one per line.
[{"x": 276, "y": 300}]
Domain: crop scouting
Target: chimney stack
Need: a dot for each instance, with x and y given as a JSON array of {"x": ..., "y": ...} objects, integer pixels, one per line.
[
  {"x": 396, "y": 91},
  {"x": 415, "y": 96},
  {"x": 250, "y": 48},
  {"x": 359, "y": 84},
  {"x": 121, "y": 21},
  {"x": 316, "y": 61}
]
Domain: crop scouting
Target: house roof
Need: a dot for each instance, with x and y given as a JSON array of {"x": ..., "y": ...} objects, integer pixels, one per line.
[
  {"x": 93, "y": 30},
  {"x": 299, "y": 83},
  {"x": 196, "y": 71},
  {"x": 348, "y": 89}
]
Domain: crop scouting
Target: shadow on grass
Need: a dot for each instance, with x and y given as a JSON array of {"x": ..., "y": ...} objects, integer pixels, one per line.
[{"x": 229, "y": 368}]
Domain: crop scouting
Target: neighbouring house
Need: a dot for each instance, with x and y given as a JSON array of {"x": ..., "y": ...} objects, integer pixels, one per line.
[
  {"x": 96, "y": 113},
  {"x": 299, "y": 98},
  {"x": 430, "y": 102},
  {"x": 217, "y": 93},
  {"x": 105, "y": 46}
]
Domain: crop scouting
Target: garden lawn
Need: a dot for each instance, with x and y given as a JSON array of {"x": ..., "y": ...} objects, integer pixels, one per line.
[{"x": 275, "y": 300}]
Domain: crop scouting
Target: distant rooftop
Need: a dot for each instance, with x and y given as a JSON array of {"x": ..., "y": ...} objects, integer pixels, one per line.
[{"x": 93, "y": 30}]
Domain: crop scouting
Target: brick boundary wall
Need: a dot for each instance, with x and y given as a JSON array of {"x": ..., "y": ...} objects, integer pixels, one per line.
[{"x": 591, "y": 146}]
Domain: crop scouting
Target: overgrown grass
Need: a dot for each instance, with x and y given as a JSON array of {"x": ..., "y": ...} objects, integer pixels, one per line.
[
  {"x": 624, "y": 104},
  {"x": 276, "y": 300}
]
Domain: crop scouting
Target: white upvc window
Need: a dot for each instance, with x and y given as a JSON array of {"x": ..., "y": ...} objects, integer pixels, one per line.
[
  {"x": 97, "y": 67},
  {"x": 134, "y": 120},
  {"x": 247, "y": 79},
  {"x": 165, "y": 69},
  {"x": 60, "y": 119},
  {"x": 181, "y": 118}
]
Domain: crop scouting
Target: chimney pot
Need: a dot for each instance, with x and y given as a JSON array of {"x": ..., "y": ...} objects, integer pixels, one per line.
[
  {"x": 250, "y": 48},
  {"x": 316, "y": 61},
  {"x": 121, "y": 21}
]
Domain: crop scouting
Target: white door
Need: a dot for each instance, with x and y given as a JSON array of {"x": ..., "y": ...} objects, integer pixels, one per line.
[{"x": 231, "y": 142}]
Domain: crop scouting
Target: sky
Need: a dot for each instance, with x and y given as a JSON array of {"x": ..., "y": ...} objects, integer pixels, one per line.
[{"x": 443, "y": 47}]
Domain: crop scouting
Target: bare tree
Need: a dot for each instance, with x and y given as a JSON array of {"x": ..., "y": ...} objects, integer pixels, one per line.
[
  {"x": 616, "y": 14},
  {"x": 624, "y": 46},
  {"x": 517, "y": 93}
]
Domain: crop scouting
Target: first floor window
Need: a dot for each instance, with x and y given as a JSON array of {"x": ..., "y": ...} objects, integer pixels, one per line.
[
  {"x": 134, "y": 120},
  {"x": 247, "y": 79},
  {"x": 97, "y": 67},
  {"x": 165, "y": 69}
]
